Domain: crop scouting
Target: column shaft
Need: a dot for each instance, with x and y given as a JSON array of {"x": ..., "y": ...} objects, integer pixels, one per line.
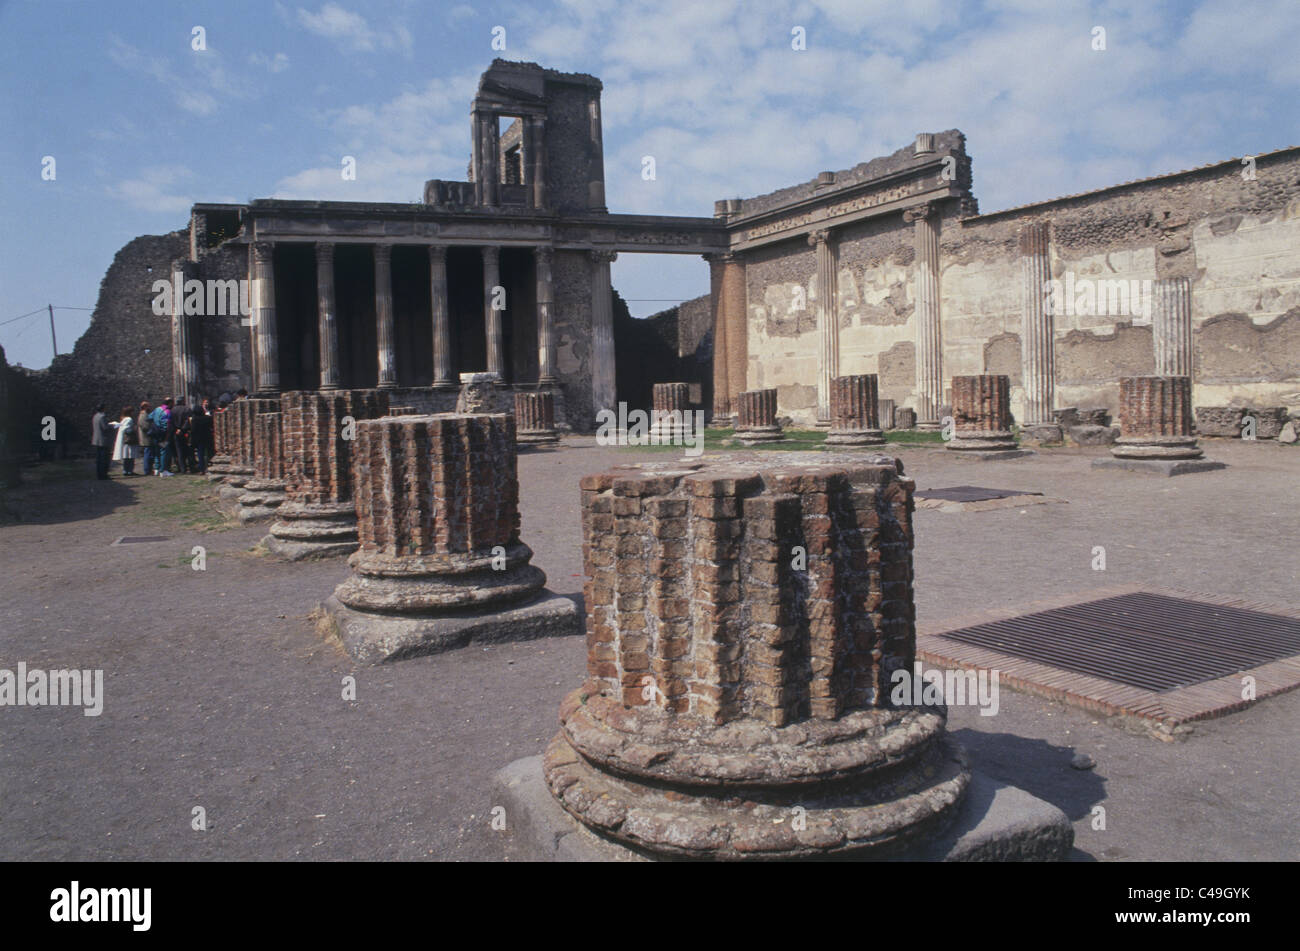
[
  {"x": 603, "y": 390},
  {"x": 327, "y": 317},
  {"x": 268, "y": 354},
  {"x": 545, "y": 304},
  {"x": 1172, "y": 326},
  {"x": 828, "y": 324},
  {"x": 491, "y": 315},
  {"x": 1036, "y": 343},
  {"x": 185, "y": 361},
  {"x": 537, "y": 160},
  {"x": 733, "y": 294},
  {"x": 929, "y": 342},
  {"x": 384, "y": 334},
  {"x": 442, "y": 371},
  {"x": 721, "y": 385}
]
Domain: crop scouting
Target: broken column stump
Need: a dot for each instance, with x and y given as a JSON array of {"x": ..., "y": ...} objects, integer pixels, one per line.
[
  {"x": 265, "y": 492},
  {"x": 1156, "y": 435},
  {"x": 981, "y": 414},
  {"x": 855, "y": 412},
  {"x": 670, "y": 417},
  {"x": 756, "y": 418},
  {"x": 222, "y": 459},
  {"x": 535, "y": 419},
  {"x": 241, "y": 429},
  {"x": 743, "y": 626},
  {"x": 440, "y": 561},
  {"x": 318, "y": 518}
]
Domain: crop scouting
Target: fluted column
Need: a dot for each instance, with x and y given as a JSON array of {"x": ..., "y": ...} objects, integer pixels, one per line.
[
  {"x": 596, "y": 187},
  {"x": 185, "y": 362},
  {"x": 734, "y": 298},
  {"x": 327, "y": 317},
  {"x": 1036, "y": 336},
  {"x": 442, "y": 372},
  {"x": 486, "y": 166},
  {"x": 603, "y": 390},
  {"x": 929, "y": 340},
  {"x": 545, "y": 329},
  {"x": 537, "y": 160},
  {"x": 721, "y": 387},
  {"x": 492, "y": 316},
  {"x": 1171, "y": 326},
  {"x": 828, "y": 327},
  {"x": 387, "y": 345},
  {"x": 264, "y": 327}
]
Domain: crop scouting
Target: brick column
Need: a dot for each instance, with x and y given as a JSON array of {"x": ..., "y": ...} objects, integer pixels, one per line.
[
  {"x": 929, "y": 332},
  {"x": 828, "y": 326},
  {"x": 318, "y": 517},
  {"x": 327, "y": 317},
  {"x": 545, "y": 329},
  {"x": 855, "y": 411},
  {"x": 243, "y": 453},
  {"x": 265, "y": 492},
  {"x": 438, "y": 521},
  {"x": 1171, "y": 326},
  {"x": 535, "y": 419},
  {"x": 384, "y": 335},
  {"x": 981, "y": 409},
  {"x": 743, "y": 626},
  {"x": 603, "y": 393},
  {"x": 1037, "y": 327},
  {"x": 1155, "y": 419},
  {"x": 443, "y": 375},
  {"x": 670, "y": 414},
  {"x": 721, "y": 385},
  {"x": 264, "y": 326},
  {"x": 756, "y": 417},
  {"x": 220, "y": 463}
]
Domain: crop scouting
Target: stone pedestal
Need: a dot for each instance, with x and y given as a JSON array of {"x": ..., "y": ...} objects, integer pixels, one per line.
[
  {"x": 265, "y": 492},
  {"x": 535, "y": 419},
  {"x": 1155, "y": 418},
  {"x": 243, "y": 429},
  {"x": 222, "y": 459},
  {"x": 981, "y": 414},
  {"x": 318, "y": 518},
  {"x": 855, "y": 414},
  {"x": 756, "y": 417},
  {"x": 743, "y": 626},
  {"x": 477, "y": 393},
  {"x": 904, "y": 418},
  {"x": 440, "y": 562},
  {"x": 886, "y": 410}
]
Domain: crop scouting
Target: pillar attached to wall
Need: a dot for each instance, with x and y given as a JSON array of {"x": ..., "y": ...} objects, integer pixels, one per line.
[
  {"x": 535, "y": 126},
  {"x": 384, "y": 333},
  {"x": 603, "y": 390},
  {"x": 1038, "y": 365},
  {"x": 442, "y": 372},
  {"x": 185, "y": 345},
  {"x": 327, "y": 317},
  {"x": 828, "y": 322},
  {"x": 1171, "y": 326},
  {"x": 929, "y": 340},
  {"x": 545, "y": 316},
  {"x": 264, "y": 327}
]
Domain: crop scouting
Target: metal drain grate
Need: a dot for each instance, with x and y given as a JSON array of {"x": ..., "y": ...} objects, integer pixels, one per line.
[
  {"x": 1151, "y": 641},
  {"x": 970, "y": 493},
  {"x": 138, "y": 539}
]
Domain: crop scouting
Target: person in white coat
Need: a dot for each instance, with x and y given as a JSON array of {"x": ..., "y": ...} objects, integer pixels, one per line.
[{"x": 124, "y": 446}]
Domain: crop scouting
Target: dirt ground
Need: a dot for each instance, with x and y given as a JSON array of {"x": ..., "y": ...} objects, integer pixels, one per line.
[{"x": 220, "y": 694}]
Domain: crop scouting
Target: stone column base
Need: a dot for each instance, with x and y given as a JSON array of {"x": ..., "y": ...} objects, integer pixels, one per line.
[
  {"x": 1156, "y": 447},
  {"x": 855, "y": 437},
  {"x": 766, "y": 434},
  {"x": 993, "y": 440},
  {"x": 1160, "y": 467},
  {"x": 313, "y": 530},
  {"x": 260, "y": 500},
  {"x": 537, "y": 437}
]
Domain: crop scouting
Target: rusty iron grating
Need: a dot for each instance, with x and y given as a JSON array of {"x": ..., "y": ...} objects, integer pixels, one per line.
[
  {"x": 1151, "y": 641},
  {"x": 140, "y": 539},
  {"x": 970, "y": 493}
]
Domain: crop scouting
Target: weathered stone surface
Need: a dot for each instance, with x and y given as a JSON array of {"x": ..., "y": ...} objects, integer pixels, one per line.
[
  {"x": 756, "y": 417},
  {"x": 904, "y": 418},
  {"x": 535, "y": 419},
  {"x": 855, "y": 414},
  {"x": 1155, "y": 415},
  {"x": 1094, "y": 435},
  {"x": 1268, "y": 421},
  {"x": 265, "y": 492},
  {"x": 743, "y": 625},
  {"x": 981, "y": 414},
  {"x": 1219, "y": 421},
  {"x": 1288, "y": 436},
  {"x": 437, "y": 503}
]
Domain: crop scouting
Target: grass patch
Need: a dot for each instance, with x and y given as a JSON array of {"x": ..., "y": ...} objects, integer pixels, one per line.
[{"x": 914, "y": 437}]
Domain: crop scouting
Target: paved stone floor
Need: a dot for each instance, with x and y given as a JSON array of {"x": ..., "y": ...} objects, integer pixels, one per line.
[{"x": 220, "y": 694}]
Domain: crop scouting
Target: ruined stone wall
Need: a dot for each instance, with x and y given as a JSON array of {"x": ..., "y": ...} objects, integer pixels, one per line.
[
  {"x": 225, "y": 343},
  {"x": 571, "y": 274},
  {"x": 573, "y": 159}
]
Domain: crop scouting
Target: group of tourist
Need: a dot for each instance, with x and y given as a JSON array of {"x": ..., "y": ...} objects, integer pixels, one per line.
[{"x": 169, "y": 439}]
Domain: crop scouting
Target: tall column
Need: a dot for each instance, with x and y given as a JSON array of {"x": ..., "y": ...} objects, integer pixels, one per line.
[
  {"x": 929, "y": 343},
  {"x": 537, "y": 160},
  {"x": 442, "y": 372},
  {"x": 268, "y": 354},
  {"x": 721, "y": 386},
  {"x": 602, "y": 332},
  {"x": 545, "y": 329},
  {"x": 596, "y": 186},
  {"x": 1171, "y": 326},
  {"x": 1036, "y": 345},
  {"x": 185, "y": 362},
  {"x": 828, "y": 322},
  {"x": 492, "y": 316},
  {"x": 486, "y": 169},
  {"x": 327, "y": 317},
  {"x": 384, "y": 336},
  {"x": 733, "y": 294}
]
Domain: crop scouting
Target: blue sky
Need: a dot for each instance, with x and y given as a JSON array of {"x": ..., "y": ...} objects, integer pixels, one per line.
[{"x": 141, "y": 125}]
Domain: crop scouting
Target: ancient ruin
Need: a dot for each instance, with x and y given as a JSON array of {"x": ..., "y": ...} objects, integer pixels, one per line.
[
  {"x": 671, "y": 416},
  {"x": 855, "y": 412},
  {"x": 535, "y": 419},
  {"x": 318, "y": 431},
  {"x": 756, "y": 418},
  {"x": 440, "y": 561},
  {"x": 982, "y": 416},
  {"x": 264, "y": 493},
  {"x": 743, "y": 626},
  {"x": 1155, "y": 419},
  {"x": 243, "y": 428}
]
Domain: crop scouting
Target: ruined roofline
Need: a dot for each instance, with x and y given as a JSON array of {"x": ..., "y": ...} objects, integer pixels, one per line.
[
  {"x": 549, "y": 75},
  {"x": 1151, "y": 180}
]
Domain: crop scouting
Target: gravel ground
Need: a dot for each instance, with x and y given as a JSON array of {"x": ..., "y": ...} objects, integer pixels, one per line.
[{"x": 220, "y": 694}]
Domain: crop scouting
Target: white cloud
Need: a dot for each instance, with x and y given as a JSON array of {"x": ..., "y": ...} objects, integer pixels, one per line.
[
  {"x": 155, "y": 190},
  {"x": 274, "y": 64},
  {"x": 352, "y": 31}
]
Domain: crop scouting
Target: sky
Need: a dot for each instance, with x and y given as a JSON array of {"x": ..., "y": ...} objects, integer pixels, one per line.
[{"x": 140, "y": 124}]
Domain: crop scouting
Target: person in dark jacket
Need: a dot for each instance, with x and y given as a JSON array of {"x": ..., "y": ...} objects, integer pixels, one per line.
[
  {"x": 101, "y": 437},
  {"x": 201, "y": 435},
  {"x": 148, "y": 451}
]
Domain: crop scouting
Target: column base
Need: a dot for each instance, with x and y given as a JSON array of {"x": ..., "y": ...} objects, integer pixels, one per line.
[
  {"x": 856, "y": 437},
  {"x": 929, "y": 425},
  {"x": 537, "y": 437},
  {"x": 765, "y": 434},
  {"x": 260, "y": 500},
  {"x": 1160, "y": 467},
  {"x": 992, "y": 440},
  {"x": 313, "y": 530},
  {"x": 1156, "y": 447}
]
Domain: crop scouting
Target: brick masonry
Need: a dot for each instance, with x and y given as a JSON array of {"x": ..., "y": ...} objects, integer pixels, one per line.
[
  {"x": 855, "y": 411},
  {"x": 1155, "y": 418}
]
